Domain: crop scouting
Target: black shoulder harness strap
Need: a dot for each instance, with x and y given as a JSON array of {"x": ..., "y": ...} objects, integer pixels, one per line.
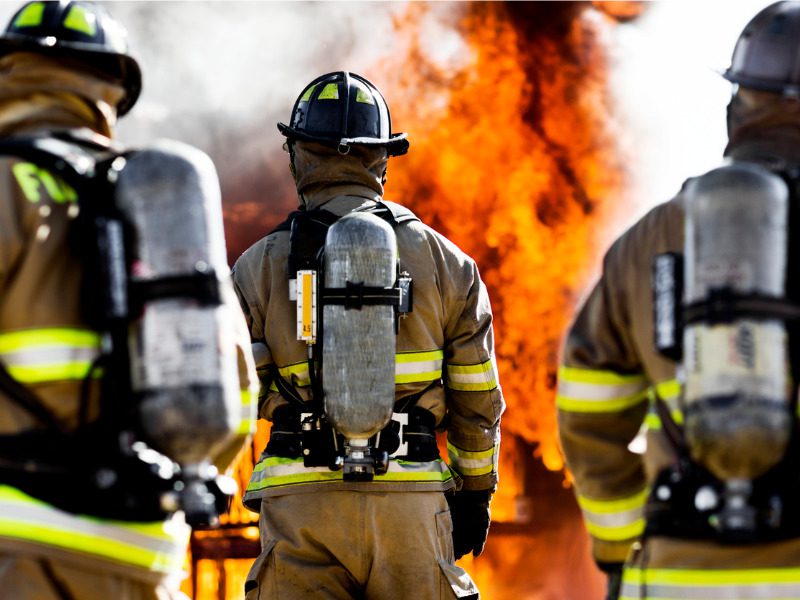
[
  {"x": 308, "y": 229},
  {"x": 391, "y": 212},
  {"x": 71, "y": 157}
]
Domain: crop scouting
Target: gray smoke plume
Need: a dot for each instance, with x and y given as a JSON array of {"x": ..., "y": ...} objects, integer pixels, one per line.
[{"x": 220, "y": 75}]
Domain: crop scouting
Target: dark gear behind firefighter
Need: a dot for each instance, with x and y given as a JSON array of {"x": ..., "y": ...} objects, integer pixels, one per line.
[
  {"x": 349, "y": 285},
  {"x": 94, "y": 487},
  {"x": 690, "y": 338}
]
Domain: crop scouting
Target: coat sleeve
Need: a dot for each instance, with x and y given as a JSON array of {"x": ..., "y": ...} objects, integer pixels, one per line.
[
  {"x": 472, "y": 389},
  {"x": 248, "y": 383},
  {"x": 602, "y": 402},
  {"x": 250, "y": 282}
]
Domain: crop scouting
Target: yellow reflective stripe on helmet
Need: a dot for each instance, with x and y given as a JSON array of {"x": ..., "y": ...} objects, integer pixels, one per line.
[
  {"x": 307, "y": 95},
  {"x": 30, "y": 16},
  {"x": 30, "y": 177},
  {"x": 712, "y": 584},
  {"x": 413, "y": 367},
  {"x": 614, "y": 520},
  {"x": 79, "y": 19},
  {"x": 364, "y": 97},
  {"x": 274, "y": 471},
  {"x": 472, "y": 378},
  {"x": 41, "y": 355},
  {"x": 472, "y": 464},
  {"x": 329, "y": 92},
  {"x": 595, "y": 390},
  {"x": 159, "y": 546}
]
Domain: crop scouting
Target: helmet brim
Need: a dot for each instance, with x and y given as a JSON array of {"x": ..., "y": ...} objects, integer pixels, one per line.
[
  {"x": 396, "y": 145},
  {"x": 762, "y": 85}
]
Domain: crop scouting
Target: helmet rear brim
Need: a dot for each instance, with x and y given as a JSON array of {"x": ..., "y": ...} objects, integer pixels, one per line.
[
  {"x": 396, "y": 145},
  {"x": 763, "y": 85}
]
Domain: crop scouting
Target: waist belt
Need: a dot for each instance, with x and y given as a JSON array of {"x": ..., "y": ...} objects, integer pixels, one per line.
[
  {"x": 688, "y": 502},
  {"x": 408, "y": 436},
  {"x": 85, "y": 475}
]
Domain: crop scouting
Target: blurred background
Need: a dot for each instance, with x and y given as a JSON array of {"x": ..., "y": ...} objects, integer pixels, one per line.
[{"x": 539, "y": 131}]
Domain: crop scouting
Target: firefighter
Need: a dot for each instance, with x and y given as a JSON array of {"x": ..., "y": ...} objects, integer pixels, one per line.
[
  {"x": 65, "y": 77},
  {"x": 657, "y": 510},
  {"x": 393, "y": 535}
]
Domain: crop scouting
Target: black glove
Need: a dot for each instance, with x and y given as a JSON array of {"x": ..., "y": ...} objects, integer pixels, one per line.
[
  {"x": 469, "y": 510},
  {"x": 614, "y": 573}
]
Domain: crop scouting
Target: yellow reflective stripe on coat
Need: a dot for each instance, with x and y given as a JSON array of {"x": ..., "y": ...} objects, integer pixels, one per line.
[
  {"x": 52, "y": 354},
  {"x": 414, "y": 367},
  {"x": 159, "y": 546},
  {"x": 81, "y": 20},
  {"x": 472, "y": 464},
  {"x": 594, "y": 390},
  {"x": 247, "y": 423},
  {"x": 711, "y": 584},
  {"x": 275, "y": 471},
  {"x": 296, "y": 374},
  {"x": 669, "y": 391},
  {"x": 481, "y": 377},
  {"x": 614, "y": 520},
  {"x": 410, "y": 367}
]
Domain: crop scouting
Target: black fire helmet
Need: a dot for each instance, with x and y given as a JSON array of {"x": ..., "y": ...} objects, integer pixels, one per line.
[
  {"x": 340, "y": 109},
  {"x": 81, "y": 31}
]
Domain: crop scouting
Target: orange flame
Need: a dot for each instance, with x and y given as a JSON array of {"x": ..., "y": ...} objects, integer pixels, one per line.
[
  {"x": 516, "y": 162},
  {"x": 513, "y": 157}
]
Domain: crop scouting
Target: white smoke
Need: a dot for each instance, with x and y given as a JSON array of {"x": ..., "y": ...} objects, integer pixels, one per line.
[
  {"x": 220, "y": 75},
  {"x": 233, "y": 63},
  {"x": 670, "y": 96}
]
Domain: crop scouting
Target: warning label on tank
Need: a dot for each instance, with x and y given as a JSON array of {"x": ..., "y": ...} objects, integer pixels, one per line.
[{"x": 179, "y": 346}]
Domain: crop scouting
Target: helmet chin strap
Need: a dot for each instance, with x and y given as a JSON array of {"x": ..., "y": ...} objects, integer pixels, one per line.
[{"x": 288, "y": 145}]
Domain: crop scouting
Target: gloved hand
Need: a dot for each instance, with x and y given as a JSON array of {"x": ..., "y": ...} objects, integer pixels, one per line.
[
  {"x": 469, "y": 510},
  {"x": 614, "y": 573}
]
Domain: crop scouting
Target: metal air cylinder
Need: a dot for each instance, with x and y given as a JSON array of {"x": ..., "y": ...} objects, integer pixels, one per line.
[
  {"x": 358, "y": 350},
  {"x": 736, "y": 368},
  {"x": 183, "y": 358}
]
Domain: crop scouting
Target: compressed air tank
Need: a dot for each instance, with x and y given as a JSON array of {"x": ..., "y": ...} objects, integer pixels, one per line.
[
  {"x": 358, "y": 349},
  {"x": 183, "y": 357},
  {"x": 736, "y": 369}
]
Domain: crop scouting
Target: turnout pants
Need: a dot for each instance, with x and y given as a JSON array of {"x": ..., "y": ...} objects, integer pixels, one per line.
[{"x": 341, "y": 545}]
